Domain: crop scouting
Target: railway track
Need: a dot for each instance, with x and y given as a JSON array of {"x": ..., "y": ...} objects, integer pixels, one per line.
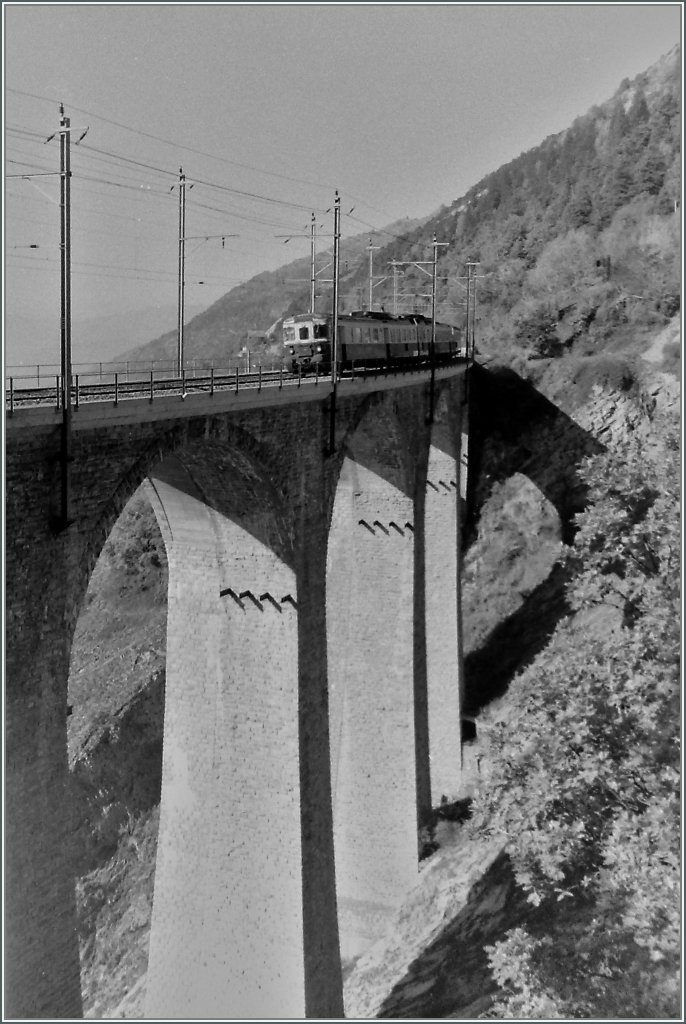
[{"x": 117, "y": 390}]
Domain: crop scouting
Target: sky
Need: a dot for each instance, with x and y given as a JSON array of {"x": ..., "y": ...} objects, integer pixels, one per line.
[{"x": 269, "y": 109}]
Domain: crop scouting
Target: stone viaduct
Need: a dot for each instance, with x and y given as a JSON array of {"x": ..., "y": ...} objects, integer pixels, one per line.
[{"x": 312, "y": 712}]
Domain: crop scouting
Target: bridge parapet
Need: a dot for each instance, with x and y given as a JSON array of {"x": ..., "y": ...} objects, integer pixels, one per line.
[{"x": 252, "y": 516}]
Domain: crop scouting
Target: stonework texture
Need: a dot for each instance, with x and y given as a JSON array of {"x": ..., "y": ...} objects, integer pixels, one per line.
[{"x": 305, "y": 588}]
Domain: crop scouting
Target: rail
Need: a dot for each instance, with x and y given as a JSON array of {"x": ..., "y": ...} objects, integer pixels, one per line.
[
  {"x": 127, "y": 369},
  {"x": 118, "y": 387}
]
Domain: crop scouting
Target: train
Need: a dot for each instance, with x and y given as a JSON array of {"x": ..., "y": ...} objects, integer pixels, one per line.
[{"x": 367, "y": 338}]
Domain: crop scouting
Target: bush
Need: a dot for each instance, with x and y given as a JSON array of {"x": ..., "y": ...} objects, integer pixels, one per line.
[
  {"x": 536, "y": 332},
  {"x": 671, "y": 358},
  {"x": 607, "y": 371},
  {"x": 580, "y": 772}
]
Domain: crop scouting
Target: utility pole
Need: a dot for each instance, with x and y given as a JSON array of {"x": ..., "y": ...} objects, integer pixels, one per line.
[
  {"x": 313, "y": 247},
  {"x": 396, "y": 265},
  {"x": 436, "y": 246},
  {"x": 469, "y": 284},
  {"x": 334, "y": 323},
  {"x": 65, "y": 314},
  {"x": 471, "y": 316},
  {"x": 421, "y": 265},
  {"x": 371, "y": 249},
  {"x": 64, "y": 131},
  {"x": 471, "y": 307},
  {"x": 396, "y": 272},
  {"x": 182, "y": 269}
]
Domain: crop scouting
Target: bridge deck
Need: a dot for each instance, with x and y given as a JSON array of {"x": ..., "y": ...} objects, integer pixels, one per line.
[{"x": 179, "y": 406}]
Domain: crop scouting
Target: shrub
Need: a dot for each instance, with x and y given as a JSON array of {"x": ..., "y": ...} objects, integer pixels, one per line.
[
  {"x": 607, "y": 371},
  {"x": 581, "y": 770}
]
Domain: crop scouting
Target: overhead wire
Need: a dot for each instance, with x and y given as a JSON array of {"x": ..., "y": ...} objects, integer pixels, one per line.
[
  {"x": 86, "y": 265},
  {"x": 114, "y": 159},
  {"x": 211, "y": 156},
  {"x": 177, "y": 145},
  {"x": 138, "y": 220},
  {"x": 79, "y": 272},
  {"x": 121, "y": 162},
  {"x": 108, "y": 155},
  {"x": 121, "y": 157},
  {"x": 252, "y": 195}
]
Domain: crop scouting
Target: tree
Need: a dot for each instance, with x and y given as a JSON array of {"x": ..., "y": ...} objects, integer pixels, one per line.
[
  {"x": 536, "y": 330},
  {"x": 582, "y": 768},
  {"x": 671, "y": 187},
  {"x": 649, "y": 174},
  {"x": 565, "y": 266},
  {"x": 618, "y": 127},
  {"x": 666, "y": 120},
  {"x": 638, "y": 111},
  {"x": 580, "y": 206}
]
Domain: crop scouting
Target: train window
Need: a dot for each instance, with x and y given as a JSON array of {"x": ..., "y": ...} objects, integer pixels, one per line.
[
  {"x": 304, "y": 333},
  {"x": 375, "y": 333},
  {"x": 356, "y": 335},
  {"x": 320, "y": 330},
  {"x": 289, "y": 334},
  {"x": 386, "y": 335}
]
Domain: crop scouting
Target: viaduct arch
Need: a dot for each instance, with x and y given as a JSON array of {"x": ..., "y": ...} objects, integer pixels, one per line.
[{"x": 271, "y": 667}]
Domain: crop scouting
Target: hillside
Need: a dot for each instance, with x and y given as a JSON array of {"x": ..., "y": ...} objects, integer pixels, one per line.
[
  {"x": 564, "y": 859},
  {"x": 218, "y": 334},
  {"x": 577, "y": 242}
]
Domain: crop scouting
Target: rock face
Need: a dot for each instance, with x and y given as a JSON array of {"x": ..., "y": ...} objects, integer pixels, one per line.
[
  {"x": 669, "y": 335},
  {"x": 116, "y": 692},
  {"x": 401, "y": 975},
  {"x": 432, "y": 962},
  {"x": 117, "y": 776}
]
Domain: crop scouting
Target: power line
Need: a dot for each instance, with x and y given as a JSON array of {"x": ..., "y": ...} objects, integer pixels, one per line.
[
  {"x": 198, "y": 181},
  {"x": 93, "y": 154},
  {"x": 86, "y": 266},
  {"x": 239, "y": 192},
  {"x": 128, "y": 277},
  {"x": 143, "y": 191},
  {"x": 212, "y": 156},
  {"x": 234, "y": 213},
  {"x": 14, "y": 130},
  {"x": 177, "y": 145}
]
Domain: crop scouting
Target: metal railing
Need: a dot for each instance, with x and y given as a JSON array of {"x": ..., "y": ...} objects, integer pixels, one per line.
[
  {"x": 37, "y": 374},
  {"x": 113, "y": 385}
]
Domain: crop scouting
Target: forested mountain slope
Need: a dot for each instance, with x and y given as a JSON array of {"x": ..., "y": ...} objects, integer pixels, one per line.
[
  {"x": 218, "y": 333},
  {"x": 575, "y": 238}
]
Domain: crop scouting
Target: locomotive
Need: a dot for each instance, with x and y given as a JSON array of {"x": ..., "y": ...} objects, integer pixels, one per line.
[{"x": 366, "y": 338}]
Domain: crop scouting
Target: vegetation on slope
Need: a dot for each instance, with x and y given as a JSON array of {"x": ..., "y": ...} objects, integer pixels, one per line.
[
  {"x": 577, "y": 240},
  {"x": 218, "y": 334},
  {"x": 581, "y": 774}
]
